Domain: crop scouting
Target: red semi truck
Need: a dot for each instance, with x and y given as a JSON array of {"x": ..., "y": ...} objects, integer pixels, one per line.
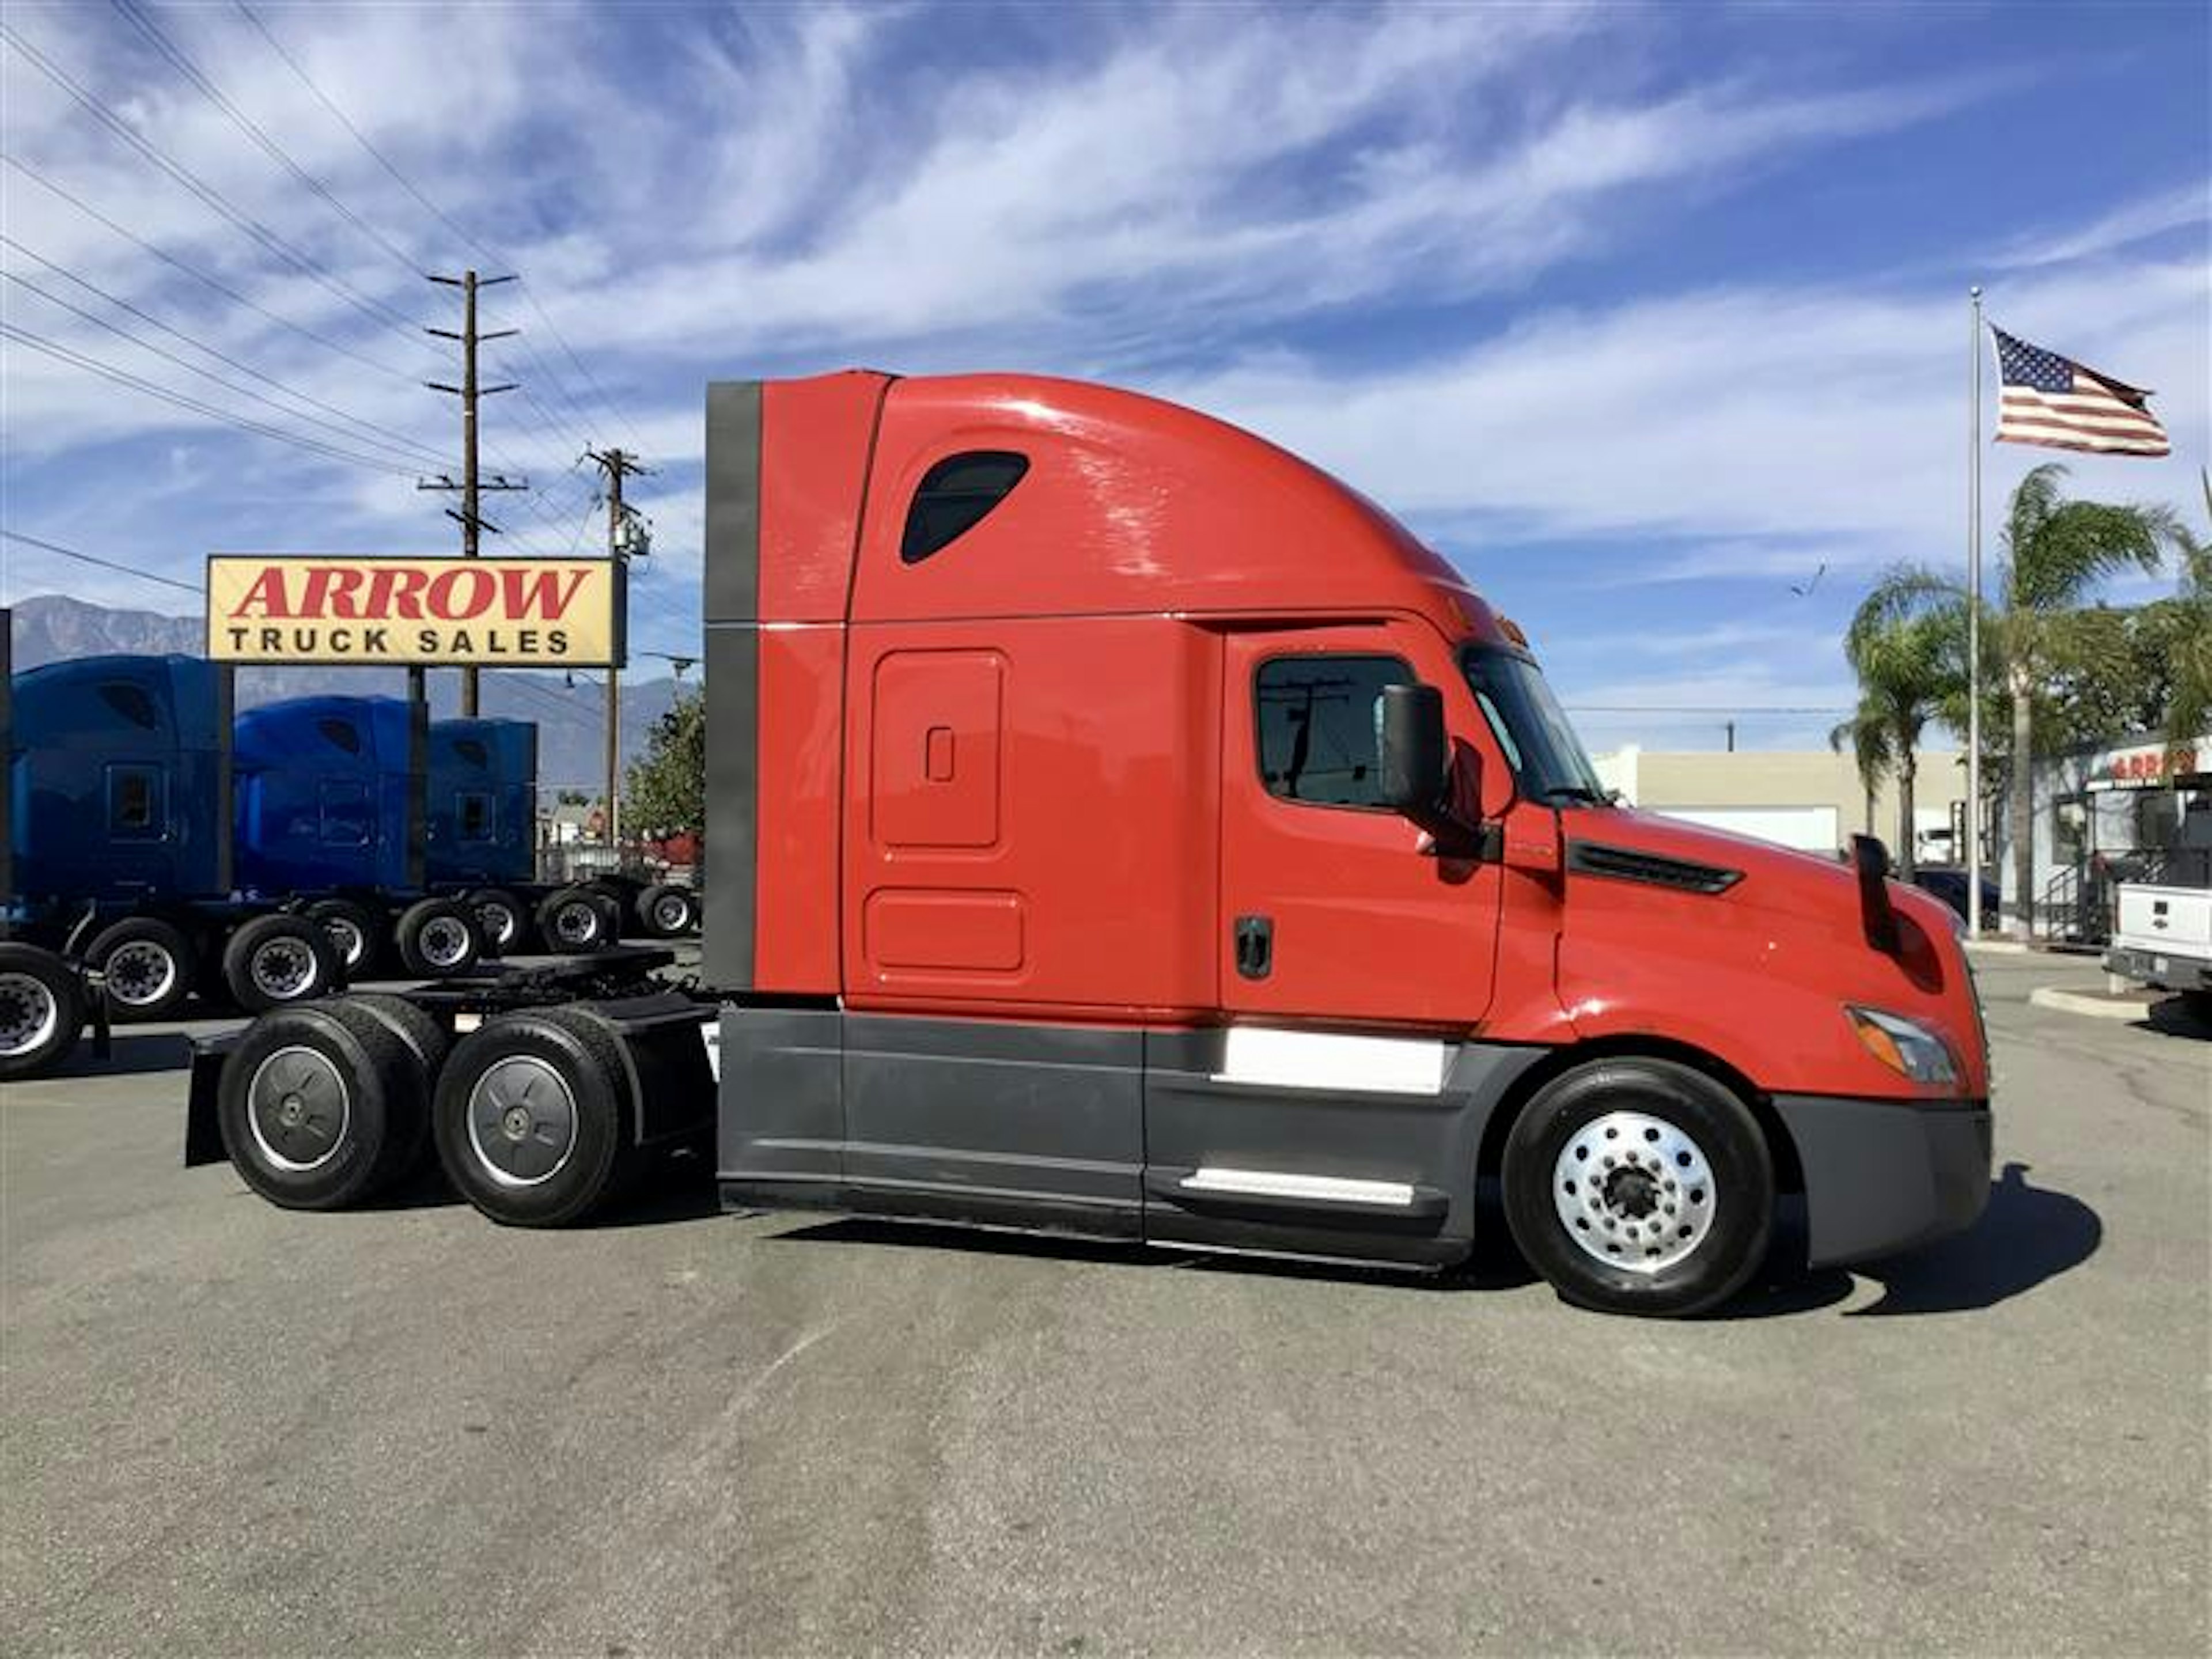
[{"x": 1120, "y": 827}]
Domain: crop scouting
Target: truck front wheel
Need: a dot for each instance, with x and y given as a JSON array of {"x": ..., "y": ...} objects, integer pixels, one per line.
[
  {"x": 273, "y": 962},
  {"x": 532, "y": 1118},
  {"x": 146, "y": 964},
  {"x": 438, "y": 939},
  {"x": 1641, "y": 1187}
]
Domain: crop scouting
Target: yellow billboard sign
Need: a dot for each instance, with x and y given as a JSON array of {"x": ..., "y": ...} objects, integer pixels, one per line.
[{"x": 364, "y": 611}]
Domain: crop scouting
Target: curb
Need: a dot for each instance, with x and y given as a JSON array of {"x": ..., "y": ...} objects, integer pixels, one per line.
[
  {"x": 2095, "y": 1006},
  {"x": 1995, "y": 947}
]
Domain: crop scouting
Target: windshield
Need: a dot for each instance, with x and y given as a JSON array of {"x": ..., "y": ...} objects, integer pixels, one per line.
[{"x": 1542, "y": 747}]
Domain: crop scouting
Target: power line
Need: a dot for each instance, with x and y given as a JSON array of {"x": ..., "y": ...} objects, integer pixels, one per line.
[
  {"x": 395, "y": 451},
  {"x": 491, "y": 254},
  {"x": 1691, "y": 709},
  {"x": 105, "y": 564},
  {"x": 372, "y": 428},
  {"x": 201, "y": 277},
  {"x": 192, "y": 71},
  {"x": 122, "y": 377},
  {"x": 268, "y": 239}
]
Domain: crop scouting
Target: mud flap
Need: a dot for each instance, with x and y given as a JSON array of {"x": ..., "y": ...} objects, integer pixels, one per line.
[{"x": 203, "y": 1132}]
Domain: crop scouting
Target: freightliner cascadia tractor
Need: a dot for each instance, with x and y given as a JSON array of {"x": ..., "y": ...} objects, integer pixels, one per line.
[{"x": 1120, "y": 827}]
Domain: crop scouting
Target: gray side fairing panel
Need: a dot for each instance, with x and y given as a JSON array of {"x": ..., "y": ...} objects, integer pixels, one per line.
[
  {"x": 1088, "y": 1129},
  {"x": 1194, "y": 1120},
  {"x": 732, "y": 605}
]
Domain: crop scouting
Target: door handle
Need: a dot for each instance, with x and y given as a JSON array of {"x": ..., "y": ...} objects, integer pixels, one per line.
[{"x": 1256, "y": 946}]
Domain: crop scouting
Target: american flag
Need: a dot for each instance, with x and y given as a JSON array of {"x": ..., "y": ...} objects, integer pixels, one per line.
[{"x": 2051, "y": 400}]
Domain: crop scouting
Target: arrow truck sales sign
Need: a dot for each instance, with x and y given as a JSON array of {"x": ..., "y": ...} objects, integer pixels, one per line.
[{"x": 489, "y": 613}]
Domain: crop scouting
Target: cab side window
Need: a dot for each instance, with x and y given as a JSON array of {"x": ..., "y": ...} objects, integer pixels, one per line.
[
  {"x": 134, "y": 803},
  {"x": 1320, "y": 721}
]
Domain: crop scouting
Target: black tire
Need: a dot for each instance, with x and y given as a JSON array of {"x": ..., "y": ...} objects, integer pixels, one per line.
[
  {"x": 41, "y": 1011},
  {"x": 1640, "y": 1124},
  {"x": 355, "y": 931},
  {"x": 576, "y": 920},
  {"x": 429, "y": 1040},
  {"x": 667, "y": 911},
  {"x": 147, "y": 966},
  {"x": 438, "y": 939},
  {"x": 502, "y": 917},
  {"x": 280, "y": 961},
  {"x": 525, "y": 1151},
  {"x": 314, "y": 1105}
]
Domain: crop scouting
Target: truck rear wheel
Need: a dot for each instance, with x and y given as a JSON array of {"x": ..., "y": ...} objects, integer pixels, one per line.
[
  {"x": 667, "y": 911},
  {"x": 41, "y": 1011},
  {"x": 273, "y": 962},
  {"x": 427, "y": 1039},
  {"x": 353, "y": 929},
  {"x": 146, "y": 965},
  {"x": 315, "y": 1106},
  {"x": 501, "y": 918},
  {"x": 532, "y": 1118},
  {"x": 577, "y": 919},
  {"x": 1639, "y": 1186},
  {"x": 438, "y": 939}
]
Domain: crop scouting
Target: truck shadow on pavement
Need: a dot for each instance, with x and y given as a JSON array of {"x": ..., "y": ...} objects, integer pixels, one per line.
[
  {"x": 2172, "y": 1018},
  {"x": 130, "y": 1054},
  {"x": 2027, "y": 1234}
]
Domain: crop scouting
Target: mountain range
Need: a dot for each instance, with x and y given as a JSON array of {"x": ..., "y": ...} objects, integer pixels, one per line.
[{"x": 571, "y": 720}]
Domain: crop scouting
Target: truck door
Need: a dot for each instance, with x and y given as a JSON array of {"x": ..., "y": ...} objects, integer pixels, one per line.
[
  {"x": 1330, "y": 916},
  {"x": 1337, "y": 1113}
]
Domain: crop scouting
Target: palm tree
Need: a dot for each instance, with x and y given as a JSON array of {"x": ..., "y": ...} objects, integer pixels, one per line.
[
  {"x": 1867, "y": 738},
  {"x": 1904, "y": 668},
  {"x": 2055, "y": 551}
]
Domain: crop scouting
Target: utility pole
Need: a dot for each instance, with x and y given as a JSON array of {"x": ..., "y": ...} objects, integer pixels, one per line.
[
  {"x": 626, "y": 534},
  {"x": 472, "y": 484}
]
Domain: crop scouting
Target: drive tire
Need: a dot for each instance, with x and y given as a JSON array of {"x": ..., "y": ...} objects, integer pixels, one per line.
[
  {"x": 427, "y": 1039},
  {"x": 1694, "y": 1242},
  {"x": 42, "y": 1009},
  {"x": 667, "y": 911},
  {"x": 532, "y": 1118},
  {"x": 314, "y": 1105},
  {"x": 577, "y": 921},
  {"x": 501, "y": 919},
  {"x": 147, "y": 965},
  {"x": 280, "y": 961},
  {"x": 438, "y": 939},
  {"x": 355, "y": 931}
]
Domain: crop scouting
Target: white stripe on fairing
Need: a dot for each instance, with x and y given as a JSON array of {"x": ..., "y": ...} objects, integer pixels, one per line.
[
  {"x": 1272, "y": 1184},
  {"x": 711, "y": 1035},
  {"x": 1317, "y": 1059}
]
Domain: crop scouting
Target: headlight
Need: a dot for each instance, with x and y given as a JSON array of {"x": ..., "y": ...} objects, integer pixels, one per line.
[{"x": 1906, "y": 1046}]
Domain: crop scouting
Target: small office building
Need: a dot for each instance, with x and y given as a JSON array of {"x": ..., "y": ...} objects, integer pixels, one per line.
[
  {"x": 2140, "y": 810},
  {"x": 1810, "y": 800}
]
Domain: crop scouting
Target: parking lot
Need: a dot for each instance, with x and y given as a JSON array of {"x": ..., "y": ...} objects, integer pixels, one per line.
[{"x": 229, "y": 1428}]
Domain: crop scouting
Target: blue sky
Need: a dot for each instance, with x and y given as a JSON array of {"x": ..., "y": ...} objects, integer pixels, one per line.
[{"x": 1643, "y": 316}]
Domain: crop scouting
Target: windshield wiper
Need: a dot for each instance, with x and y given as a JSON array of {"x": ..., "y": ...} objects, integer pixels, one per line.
[{"x": 1581, "y": 792}]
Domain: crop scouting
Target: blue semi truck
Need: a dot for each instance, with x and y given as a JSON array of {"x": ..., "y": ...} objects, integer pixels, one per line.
[
  {"x": 119, "y": 893},
  {"x": 326, "y": 816}
]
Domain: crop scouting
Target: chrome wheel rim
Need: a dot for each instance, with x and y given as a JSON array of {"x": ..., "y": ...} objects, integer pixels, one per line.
[
  {"x": 28, "y": 1013},
  {"x": 282, "y": 969},
  {"x": 1634, "y": 1192},
  {"x": 443, "y": 941},
  {"x": 141, "y": 973},
  {"x": 576, "y": 923},
  {"x": 522, "y": 1122},
  {"x": 297, "y": 1107},
  {"x": 500, "y": 924},
  {"x": 350, "y": 943},
  {"x": 672, "y": 912}
]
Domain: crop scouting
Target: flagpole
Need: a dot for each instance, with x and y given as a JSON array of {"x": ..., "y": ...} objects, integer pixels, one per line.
[{"x": 1974, "y": 630}]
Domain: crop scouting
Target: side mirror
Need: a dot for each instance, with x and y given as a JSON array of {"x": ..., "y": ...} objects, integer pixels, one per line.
[
  {"x": 1415, "y": 762},
  {"x": 1415, "y": 753}
]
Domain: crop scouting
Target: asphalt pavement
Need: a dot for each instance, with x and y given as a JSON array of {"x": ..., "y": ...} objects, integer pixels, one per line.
[{"x": 228, "y": 1428}]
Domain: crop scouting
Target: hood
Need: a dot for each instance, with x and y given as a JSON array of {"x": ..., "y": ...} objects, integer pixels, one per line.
[{"x": 1780, "y": 879}]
